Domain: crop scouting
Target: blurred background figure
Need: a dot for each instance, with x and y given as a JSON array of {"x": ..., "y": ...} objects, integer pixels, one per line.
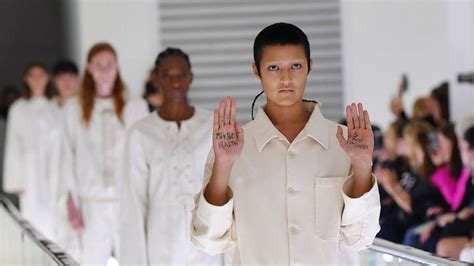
[
  {"x": 165, "y": 158},
  {"x": 65, "y": 80},
  {"x": 152, "y": 94},
  {"x": 32, "y": 151},
  {"x": 96, "y": 124},
  {"x": 8, "y": 95}
]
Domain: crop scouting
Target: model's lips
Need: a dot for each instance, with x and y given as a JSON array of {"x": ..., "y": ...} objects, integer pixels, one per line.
[{"x": 286, "y": 90}]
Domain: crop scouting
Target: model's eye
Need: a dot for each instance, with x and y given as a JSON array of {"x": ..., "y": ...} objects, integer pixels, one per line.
[
  {"x": 165, "y": 76},
  {"x": 273, "y": 68},
  {"x": 296, "y": 66}
]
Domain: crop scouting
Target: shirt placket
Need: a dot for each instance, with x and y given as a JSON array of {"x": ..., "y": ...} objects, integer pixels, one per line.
[
  {"x": 293, "y": 200},
  {"x": 182, "y": 181},
  {"x": 107, "y": 147}
]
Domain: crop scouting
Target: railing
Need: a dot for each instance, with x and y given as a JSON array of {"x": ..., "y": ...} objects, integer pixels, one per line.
[
  {"x": 21, "y": 244},
  {"x": 383, "y": 252}
]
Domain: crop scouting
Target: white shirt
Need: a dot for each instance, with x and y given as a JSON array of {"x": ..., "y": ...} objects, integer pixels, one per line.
[
  {"x": 32, "y": 160},
  {"x": 94, "y": 154},
  {"x": 164, "y": 166},
  {"x": 288, "y": 204}
]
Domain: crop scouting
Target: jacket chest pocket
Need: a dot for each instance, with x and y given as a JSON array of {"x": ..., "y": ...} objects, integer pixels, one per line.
[{"x": 329, "y": 205}]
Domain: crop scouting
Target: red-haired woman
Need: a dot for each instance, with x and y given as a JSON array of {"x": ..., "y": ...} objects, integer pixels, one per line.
[
  {"x": 96, "y": 123},
  {"x": 32, "y": 151}
]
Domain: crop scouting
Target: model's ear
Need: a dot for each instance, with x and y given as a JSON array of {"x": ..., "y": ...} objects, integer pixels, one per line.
[
  {"x": 255, "y": 71},
  {"x": 310, "y": 65}
]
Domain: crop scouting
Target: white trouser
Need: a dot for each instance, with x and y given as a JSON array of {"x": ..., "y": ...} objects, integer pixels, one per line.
[{"x": 100, "y": 236}]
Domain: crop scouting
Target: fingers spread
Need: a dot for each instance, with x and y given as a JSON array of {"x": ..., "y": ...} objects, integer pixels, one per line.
[
  {"x": 360, "y": 115},
  {"x": 355, "y": 117},
  {"x": 227, "y": 111},
  {"x": 350, "y": 121},
  {"x": 367, "y": 120},
  {"x": 216, "y": 120},
  {"x": 340, "y": 137},
  {"x": 233, "y": 111},
  {"x": 221, "y": 113}
]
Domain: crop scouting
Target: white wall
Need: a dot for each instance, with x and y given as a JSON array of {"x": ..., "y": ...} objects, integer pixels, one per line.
[
  {"x": 131, "y": 26},
  {"x": 461, "y": 41},
  {"x": 430, "y": 40},
  {"x": 382, "y": 39}
]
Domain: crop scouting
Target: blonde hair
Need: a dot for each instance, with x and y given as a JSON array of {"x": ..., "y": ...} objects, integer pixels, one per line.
[
  {"x": 417, "y": 134},
  {"x": 419, "y": 108}
]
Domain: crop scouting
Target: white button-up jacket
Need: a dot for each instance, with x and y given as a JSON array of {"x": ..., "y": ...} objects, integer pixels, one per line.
[{"x": 289, "y": 204}]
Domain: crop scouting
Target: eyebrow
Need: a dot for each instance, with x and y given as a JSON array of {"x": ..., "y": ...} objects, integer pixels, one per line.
[{"x": 292, "y": 61}]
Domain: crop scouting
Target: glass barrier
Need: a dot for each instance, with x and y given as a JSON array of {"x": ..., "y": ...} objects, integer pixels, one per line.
[
  {"x": 21, "y": 244},
  {"x": 385, "y": 253}
]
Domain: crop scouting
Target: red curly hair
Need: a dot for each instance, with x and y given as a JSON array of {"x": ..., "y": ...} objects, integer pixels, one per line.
[{"x": 88, "y": 90}]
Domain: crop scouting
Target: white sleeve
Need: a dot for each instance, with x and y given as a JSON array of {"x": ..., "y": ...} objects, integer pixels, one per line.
[
  {"x": 13, "y": 174},
  {"x": 360, "y": 218},
  {"x": 68, "y": 182},
  {"x": 134, "y": 203},
  {"x": 212, "y": 227}
]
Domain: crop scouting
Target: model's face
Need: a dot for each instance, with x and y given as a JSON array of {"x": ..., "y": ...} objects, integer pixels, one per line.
[
  {"x": 174, "y": 79},
  {"x": 66, "y": 83},
  {"x": 283, "y": 74},
  {"x": 103, "y": 68},
  {"x": 37, "y": 79}
]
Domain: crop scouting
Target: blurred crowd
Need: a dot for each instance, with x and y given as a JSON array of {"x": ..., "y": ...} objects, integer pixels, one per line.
[{"x": 424, "y": 164}]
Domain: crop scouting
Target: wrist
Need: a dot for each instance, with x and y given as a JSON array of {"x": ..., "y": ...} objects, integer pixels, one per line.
[
  {"x": 362, "y": 165},
  {"x": 223, "y": 163}
]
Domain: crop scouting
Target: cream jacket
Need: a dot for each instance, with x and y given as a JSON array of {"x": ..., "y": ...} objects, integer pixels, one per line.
[{"x": 289, "y": 204}]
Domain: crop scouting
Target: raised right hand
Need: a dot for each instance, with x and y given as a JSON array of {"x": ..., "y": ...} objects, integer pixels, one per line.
[{"x": 228, "y": 136}]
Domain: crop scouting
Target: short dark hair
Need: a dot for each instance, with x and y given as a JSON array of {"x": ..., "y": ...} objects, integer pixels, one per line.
[
  {"x": 469, "y": 137},
  {"x": 280, "y": 34},
  {"x": 168, "y": 52},
  {"x": 65, "y": 66}
]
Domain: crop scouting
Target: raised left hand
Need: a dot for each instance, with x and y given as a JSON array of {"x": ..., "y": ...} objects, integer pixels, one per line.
[{"x": 359, "y": 144}]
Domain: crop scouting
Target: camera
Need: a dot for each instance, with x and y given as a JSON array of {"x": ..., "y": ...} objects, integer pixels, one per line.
[
  {"x": 150, "y": 88},
  {"x": 466, "y": 78},
  {"x": 433, "y": 143}
]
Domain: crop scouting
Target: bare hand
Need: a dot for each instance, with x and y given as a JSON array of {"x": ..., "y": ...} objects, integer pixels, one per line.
[
  {"x": 228, "y": 136},
  {"x": 446, "y": 219},
  {"x": 465, "y": 213},
  {"x": 74, "y": 215},
  {"x": 396, "y": 106},
  {"x": 425, "y": 235},
  {"x": 387, "y": 178},
  {"x": 359, "y": 144},
  {"x": 433, "y": 211}
]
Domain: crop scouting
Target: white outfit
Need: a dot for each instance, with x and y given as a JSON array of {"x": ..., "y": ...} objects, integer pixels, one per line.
[
  {"x": 66, "y": 237},
  {"x": 289, "y": 202},
  {"x": 92, "y": 170},
  {"x": 164, "y": 166},
  {"x": 32, "y": 160}
]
